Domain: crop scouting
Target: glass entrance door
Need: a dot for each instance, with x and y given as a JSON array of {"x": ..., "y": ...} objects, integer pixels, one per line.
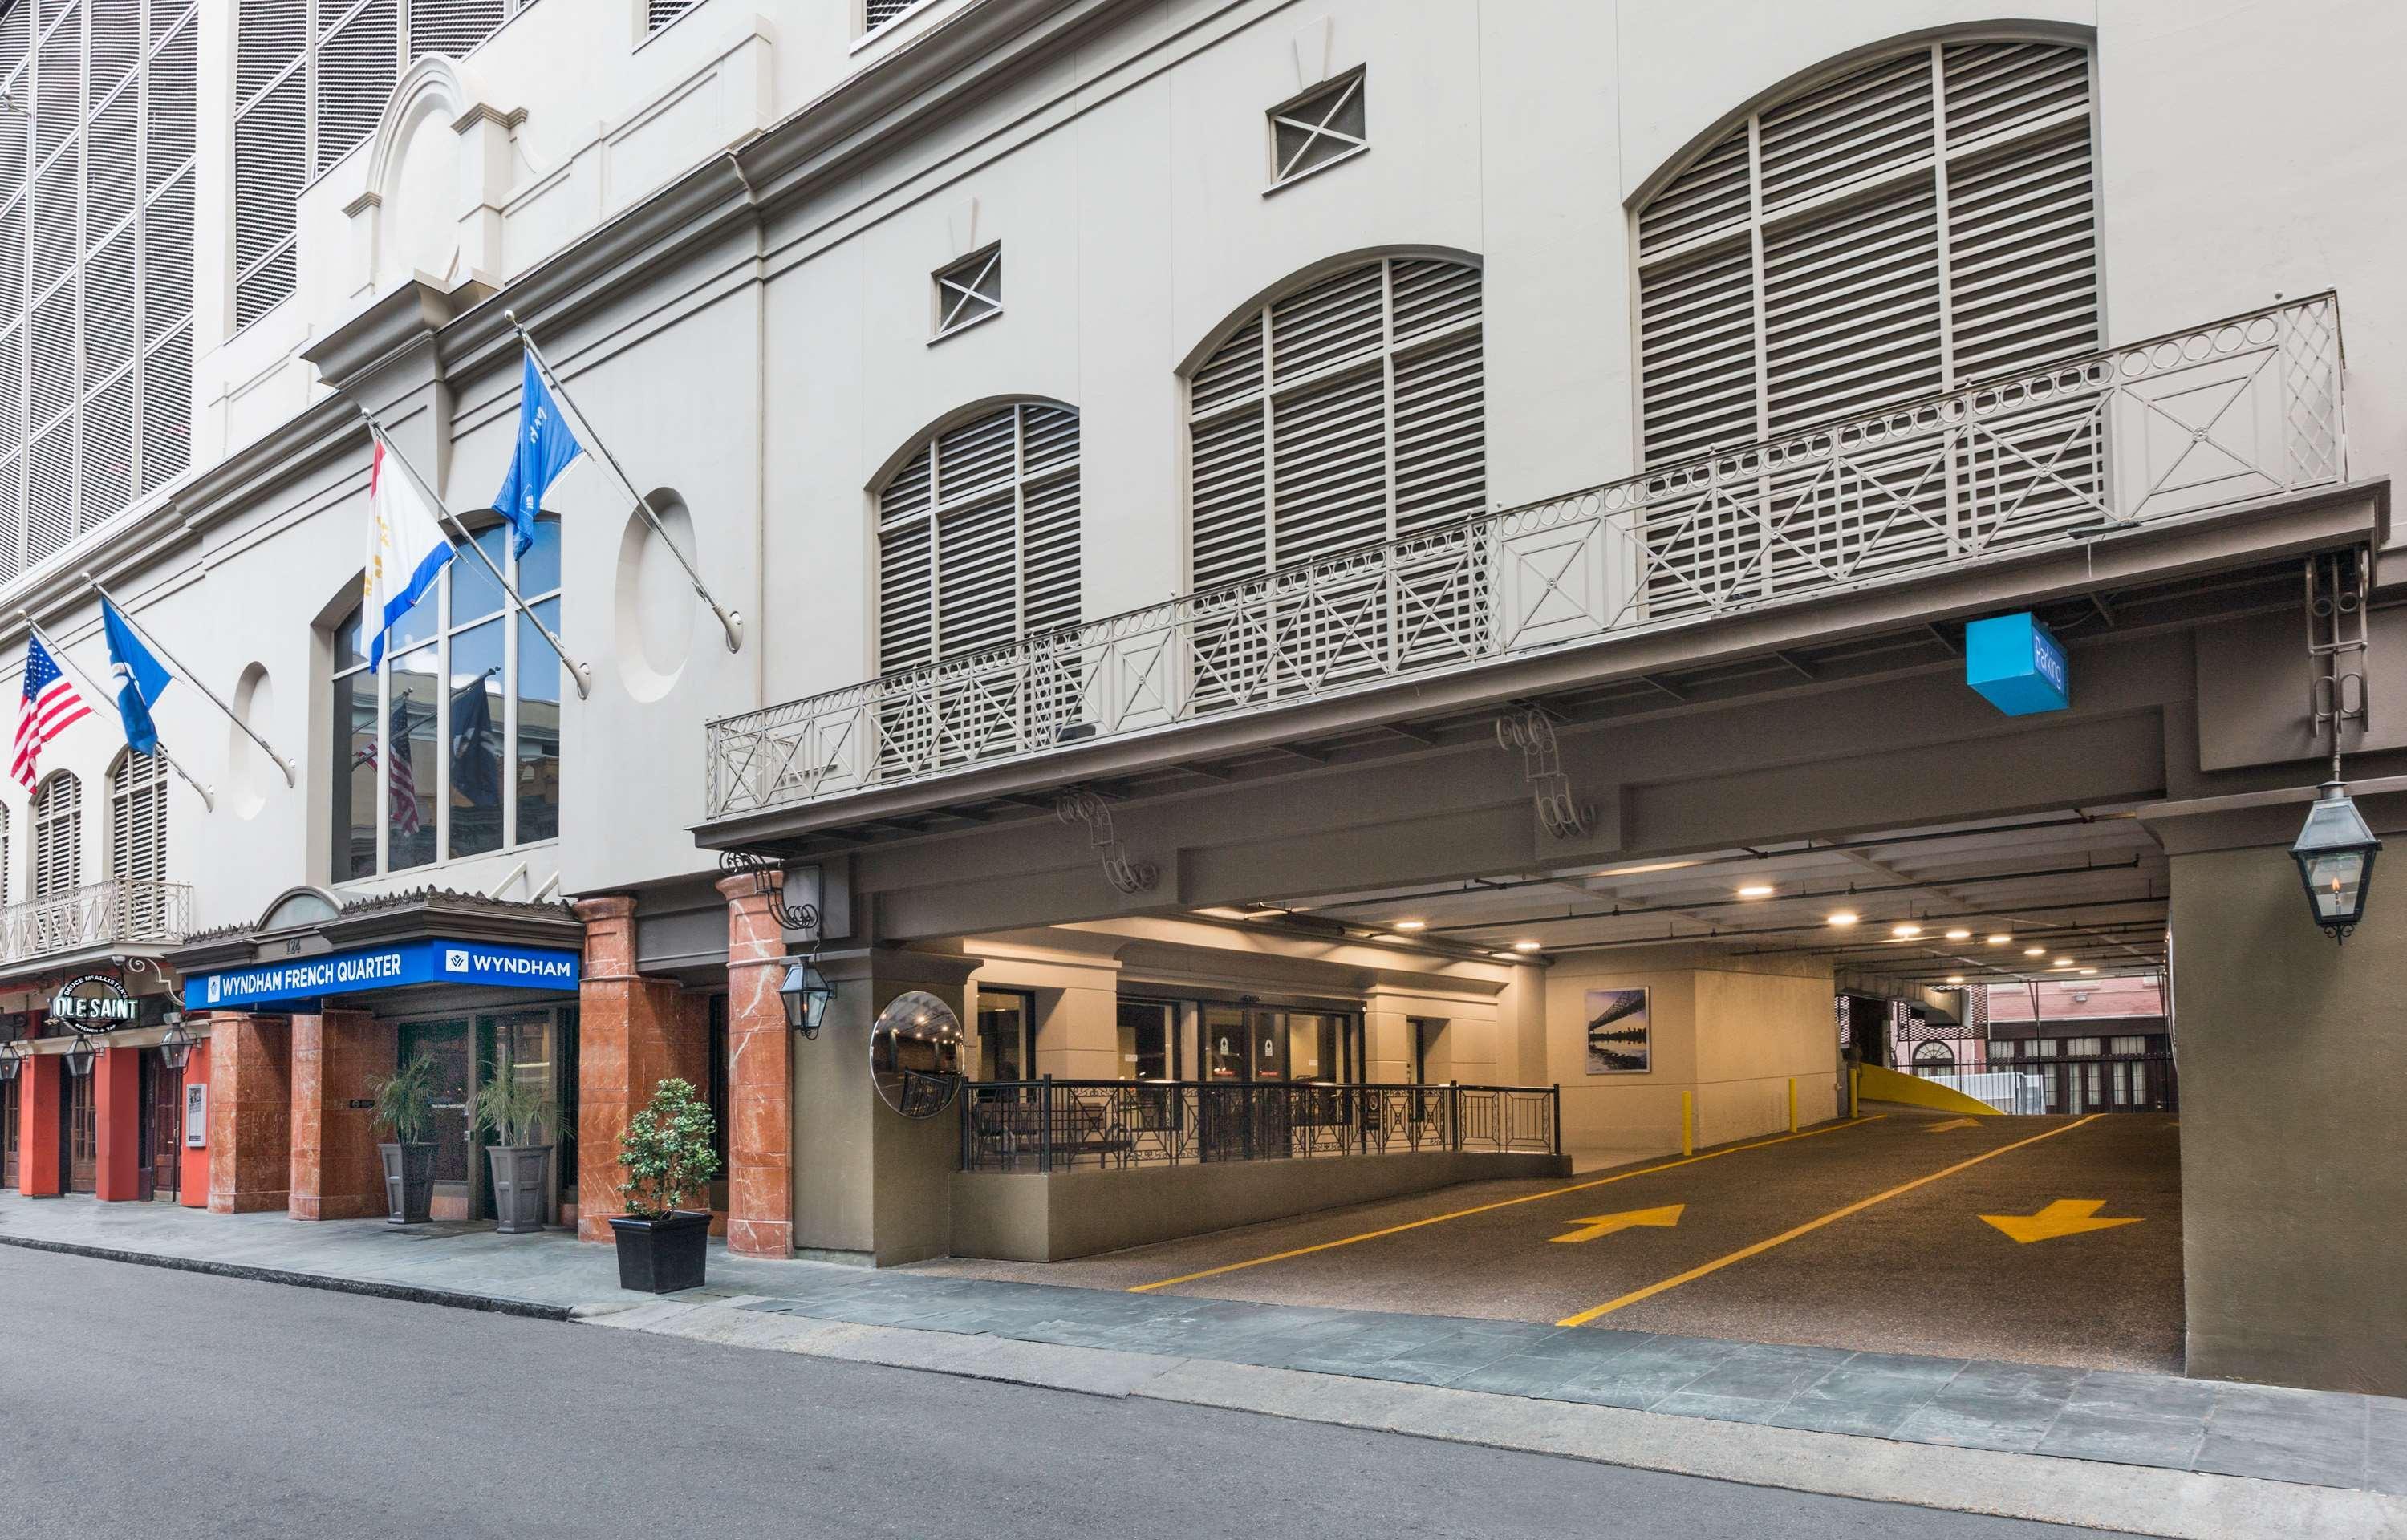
[
  {"x": 524, "y": 1046},
  {"x": 1006, "y": 1026},
  {"x": 446, "y": 1042},
  {"x": 8, "y": 1132},
  {"x": 163, "y": 1129}
]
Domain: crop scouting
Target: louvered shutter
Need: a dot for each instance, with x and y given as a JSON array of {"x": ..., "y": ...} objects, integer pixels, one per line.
[
  {"x": 359, "y": 61},
  {"x": 58, "y": 836},
  {"x": 138, "y": 842},
  {"x": 452, "y": 27},
  {"x": 876, "y": 13},
  {"x": 271, "y": 157},
  {"x": 660, "y": 13},
  {"x": 1916, "y": 223}
]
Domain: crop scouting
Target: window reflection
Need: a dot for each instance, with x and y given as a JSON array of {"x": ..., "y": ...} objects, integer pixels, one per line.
[
  {"x": 410, "y": 781},
  {"x": 539, "y": 745},
  {"x": 478, "y": 718}
]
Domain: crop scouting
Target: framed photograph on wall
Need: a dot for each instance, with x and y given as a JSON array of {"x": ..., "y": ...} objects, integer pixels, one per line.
[
  {"x": 1620, "y": 1035},
  {"x": 196, "y": 1115}
]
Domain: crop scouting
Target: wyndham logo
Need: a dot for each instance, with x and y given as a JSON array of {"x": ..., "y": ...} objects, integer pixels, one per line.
[{"x": 455, "y": 960}]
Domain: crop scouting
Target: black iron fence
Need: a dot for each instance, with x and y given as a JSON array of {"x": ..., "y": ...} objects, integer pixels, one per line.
[{"x": 1060, "y": 1125}]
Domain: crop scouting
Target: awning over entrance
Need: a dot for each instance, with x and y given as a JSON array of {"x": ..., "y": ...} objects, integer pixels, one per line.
[{"x": 307, "y": 948}]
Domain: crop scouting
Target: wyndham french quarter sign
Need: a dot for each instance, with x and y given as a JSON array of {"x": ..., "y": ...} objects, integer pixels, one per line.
[{"x": 434, "y": 961}]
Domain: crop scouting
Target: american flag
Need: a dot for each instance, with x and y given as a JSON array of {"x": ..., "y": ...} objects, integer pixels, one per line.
[
  {"x": 50, "y": 707},
  {"x": 401, "y": 783}
]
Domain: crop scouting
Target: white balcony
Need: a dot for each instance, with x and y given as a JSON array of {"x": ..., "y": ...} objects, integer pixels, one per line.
[
  {"x": 2161, "y": 431},
  {"x": 96, "y": 915}
]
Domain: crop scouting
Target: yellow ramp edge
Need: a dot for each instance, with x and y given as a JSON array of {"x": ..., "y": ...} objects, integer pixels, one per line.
[{"x": 1878, "y": 1084}]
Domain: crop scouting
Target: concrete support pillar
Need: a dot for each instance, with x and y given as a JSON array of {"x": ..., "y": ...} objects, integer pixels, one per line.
[
  {"x": 116, "y": 1123},
  {"x": 250, "y": 1113},
  {"x": 869, "y": 1184},
  {"x": 193, "y": 1191},
  {"x": 2289, "y": 1055},
  {"x": 39, "y": 1086},
  {"x": 631, "y": 1036},
  {"x": 337, "y": 1171},
  {"x": 759, "y": 1074}
]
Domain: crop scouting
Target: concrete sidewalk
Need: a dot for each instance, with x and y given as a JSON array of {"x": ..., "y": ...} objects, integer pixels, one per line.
[{"x": 2154, "y": 1454}]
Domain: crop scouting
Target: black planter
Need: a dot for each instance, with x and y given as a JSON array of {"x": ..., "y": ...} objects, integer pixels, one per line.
[
  {"x": 409, "y": 1182},
  {"x": 661, "y": 1256}
]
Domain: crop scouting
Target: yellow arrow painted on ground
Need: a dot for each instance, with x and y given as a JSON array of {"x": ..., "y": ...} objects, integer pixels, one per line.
[
  {"x": 2064, "y": 1216},
  {"x": 1605, "y": 1224},
  {"x": 1953, "y": 1123}
]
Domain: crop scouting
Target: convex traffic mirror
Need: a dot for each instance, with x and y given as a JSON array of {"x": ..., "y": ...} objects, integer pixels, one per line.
[{"x": 915, "y": 1053}]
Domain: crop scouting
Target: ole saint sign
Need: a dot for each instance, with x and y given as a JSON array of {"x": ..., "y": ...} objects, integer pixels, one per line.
[{"x": 95, "y": 1003}]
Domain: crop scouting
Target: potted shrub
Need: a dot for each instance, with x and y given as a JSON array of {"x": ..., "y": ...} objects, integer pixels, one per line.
[
  {"x": 405, "y": 1108},
  {"x": 517, "y": 1114},
  {"x": 667, "y": 1158}
]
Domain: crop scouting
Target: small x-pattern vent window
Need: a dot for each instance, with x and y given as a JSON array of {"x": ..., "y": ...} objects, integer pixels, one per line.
[
  {"x": 1317, "y": 129},
  {"x": 878, "y": 13},
  {"x": 970, "y": 291}
]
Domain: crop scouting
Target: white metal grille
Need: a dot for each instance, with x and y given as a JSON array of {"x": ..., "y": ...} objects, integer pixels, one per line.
[
  {"x": 1917, "y": 223},
  {"x": 876, "y": 13},
  {"x": 95, "y": 263},
  {"x": 1322, "y": 127},
  {"x": 969, "y": 291},
  {"x": 660, "y": 13},
  {"x": 58, "y": 836}
]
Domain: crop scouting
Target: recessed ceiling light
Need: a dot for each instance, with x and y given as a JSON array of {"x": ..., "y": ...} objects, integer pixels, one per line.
[
  {"x": 1955, "y": 978},
  {"x": 2000, "y": 938},
  {"x": 2034, "y": 952},
  {"x": 2064, "y": 962},
  {"x": 1411, "y": 924},
  {"x": 1527, "y": 945},
  {"x": 1843, "y": 917},
  {"x": 2090, "y": 971},
  {"x": 1959, "y": 933},
  {"x": 1756, "y": 890},
  {"x": 1905, "y": 932}
]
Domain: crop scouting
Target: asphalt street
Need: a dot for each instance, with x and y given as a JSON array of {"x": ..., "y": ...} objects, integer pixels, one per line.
[
  {"x": 1867, "y": 1235},
  {"x": 164, "y": 1404}
]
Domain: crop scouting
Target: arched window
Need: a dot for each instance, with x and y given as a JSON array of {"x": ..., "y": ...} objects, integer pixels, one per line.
[
  {"x": 1919, "y": 221},
  {"x": 453, "y": 747},
  {"x": 1346, "y": 413},
  {"x": 58, "y": 836},
  {"x": 137, "y": 818},
  {"x": 978, "y": 537}
]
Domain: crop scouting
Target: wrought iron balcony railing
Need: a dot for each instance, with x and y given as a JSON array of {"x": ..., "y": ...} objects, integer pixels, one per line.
[
  {"x": 1061, "y": 1125},
  {"x": 97, "y": 914},
  {"x": 2236, "y": 410}
]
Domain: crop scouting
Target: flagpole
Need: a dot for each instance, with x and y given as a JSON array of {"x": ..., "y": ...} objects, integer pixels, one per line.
[
  {"x": 67, "y": 657},
  {"x": 281, "y": 763},
  {"x": 578, "y": 674},
  {"x": 730, "y": 621}
]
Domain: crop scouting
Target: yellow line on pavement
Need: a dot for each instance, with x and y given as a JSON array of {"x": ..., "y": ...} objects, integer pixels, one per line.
[
  {"x": 1808, "y": 1227},
  {"x": 1487, "y": 1208}
]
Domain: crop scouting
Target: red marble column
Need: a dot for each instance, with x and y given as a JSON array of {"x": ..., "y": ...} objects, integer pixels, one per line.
[
  {"x": 337, "y": 1171},
  {"x": 193, "y": 1192},
  {"x": 759, "y": 1076},
  {"x": 38, "y": 1084},
  {"x": 250, "y": 1113},
  {"x": 116, "y": 1123},
  {"x": 631, "y": 1036}
]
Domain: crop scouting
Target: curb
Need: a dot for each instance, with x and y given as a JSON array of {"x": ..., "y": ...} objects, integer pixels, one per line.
[{"x": 408, "y": 1293}]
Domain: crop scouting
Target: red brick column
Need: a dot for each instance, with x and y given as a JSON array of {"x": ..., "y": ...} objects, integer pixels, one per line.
[
  {"x": 630, "y": 1036},
  {"x": 38, "y": 1084},
  {"x": 116, "y": 1123},
  {"x": 193, "y": 1192},
  {"x": 759, "y": 1076},
  {"x": 250, "y": 1116},
  {"x": 336, "y": 1172}
]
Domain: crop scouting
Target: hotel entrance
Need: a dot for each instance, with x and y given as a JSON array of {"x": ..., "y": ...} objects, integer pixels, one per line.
[
  {"x": 1256, "y": 1044},
  {"x": 469, "y": 1050}
]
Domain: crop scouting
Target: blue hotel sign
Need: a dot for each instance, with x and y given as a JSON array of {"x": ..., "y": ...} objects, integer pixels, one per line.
[
  {"x": 2016, "y": 664},
  {"x": 426, "y": 962}
]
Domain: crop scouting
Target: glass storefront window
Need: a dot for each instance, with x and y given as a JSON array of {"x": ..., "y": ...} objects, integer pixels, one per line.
[
  {"x": 1006, "y": 1021},
  {"x": 466, "y": 699},
  {"x": 1147, "y": 1046}
]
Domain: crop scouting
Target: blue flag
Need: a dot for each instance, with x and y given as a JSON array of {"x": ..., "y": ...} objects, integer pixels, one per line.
[
  {"x": 545, "y": 448},
  {"x": 138, "y": 677}
]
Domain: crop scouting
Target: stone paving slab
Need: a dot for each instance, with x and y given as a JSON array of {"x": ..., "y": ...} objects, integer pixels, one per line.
[{"x": 2131, "y": 1421}]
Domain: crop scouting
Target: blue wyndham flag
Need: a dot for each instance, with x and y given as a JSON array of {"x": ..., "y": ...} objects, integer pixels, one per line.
[
  {"x": 138, "y": 677},
  {"x": 545, "y": 448}
]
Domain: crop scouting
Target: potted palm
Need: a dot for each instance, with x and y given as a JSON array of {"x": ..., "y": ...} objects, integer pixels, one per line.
[
  {"x": 405, "y": 1108},
  {"x": 667, "y": 1158},
  {"x": 517, "y": 1114}
]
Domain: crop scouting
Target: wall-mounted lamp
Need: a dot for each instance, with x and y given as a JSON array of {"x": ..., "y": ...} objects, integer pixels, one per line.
[{"x": 804, "y": 990}]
